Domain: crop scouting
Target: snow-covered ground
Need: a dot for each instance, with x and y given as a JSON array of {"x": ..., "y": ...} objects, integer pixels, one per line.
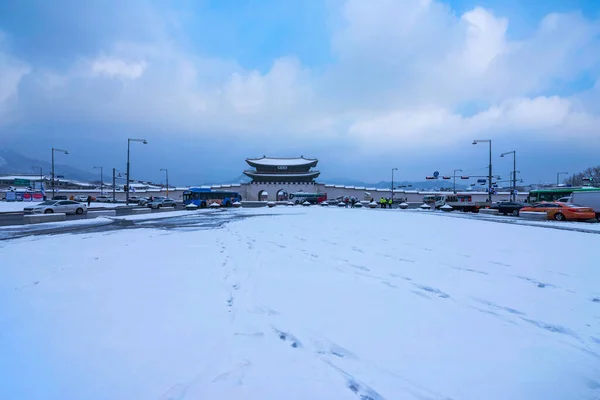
[
  {"x": 10, "y": 206},
  {"x": 302, "y": 303}
]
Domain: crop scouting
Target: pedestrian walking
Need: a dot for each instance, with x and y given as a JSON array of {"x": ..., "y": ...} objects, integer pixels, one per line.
[{"x": 89, "y": 200}]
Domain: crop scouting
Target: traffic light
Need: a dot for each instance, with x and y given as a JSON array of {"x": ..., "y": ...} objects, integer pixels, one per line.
[{"x": 430, "y": 177}]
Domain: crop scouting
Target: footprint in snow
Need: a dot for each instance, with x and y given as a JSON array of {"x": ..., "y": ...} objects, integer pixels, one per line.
[
  {"x": 334, "y": 350},
  {"x": 433, "y": 290},
  {"x": 539, "y": 284},
  {"x": 500, "y": 263},
  {"x": 175, "y": 392},
  {"x": 288, "y": 337},
  {"x": 551, "y": 327}
]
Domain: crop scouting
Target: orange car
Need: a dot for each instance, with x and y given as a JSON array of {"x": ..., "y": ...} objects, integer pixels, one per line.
[{"x": 563, "y": 211}]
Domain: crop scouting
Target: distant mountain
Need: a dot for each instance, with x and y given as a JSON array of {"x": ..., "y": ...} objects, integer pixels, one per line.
[
  {"x": 240, "y": 179},
  {"x": 12, "y": 162}
]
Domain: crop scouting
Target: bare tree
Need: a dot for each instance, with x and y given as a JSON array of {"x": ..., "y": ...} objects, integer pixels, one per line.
[{"x": 589, "y": 176}]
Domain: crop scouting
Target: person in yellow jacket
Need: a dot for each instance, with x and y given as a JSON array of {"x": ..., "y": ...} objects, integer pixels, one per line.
[
  {"x": 382, "y": 202},
  {"x": 390, "y": 202}
]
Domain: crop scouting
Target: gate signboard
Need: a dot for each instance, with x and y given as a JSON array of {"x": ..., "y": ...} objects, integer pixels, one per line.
[{"x": 22, "y": 182}]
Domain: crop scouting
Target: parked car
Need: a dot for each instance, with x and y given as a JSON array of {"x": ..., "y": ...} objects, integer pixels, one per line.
[
  {"x": 81, "y": 198},
  {"x": 162, "y": 203},
  {"x": 60, "y": 197},
  {"x": 508, "y": 207},
  {"x": 103, "y": 199},
  {"x": 563, "y": 211},
  {"x": 57, "y": 206},
  {"x": 135, "y": 199}
]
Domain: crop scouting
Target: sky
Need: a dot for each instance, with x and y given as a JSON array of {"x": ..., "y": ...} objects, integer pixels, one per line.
[{"x": 364, "y": 86}]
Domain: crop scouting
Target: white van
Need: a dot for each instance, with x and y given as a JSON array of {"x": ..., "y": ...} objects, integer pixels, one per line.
[{"x": 587, "y": 198}]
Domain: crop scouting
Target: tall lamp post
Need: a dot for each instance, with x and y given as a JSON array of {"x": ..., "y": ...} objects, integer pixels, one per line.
[
  {"x": 129, "y": 140},
  {"x": 167, "y": 173},
  {"x": 514, "y": 174},
  {"x": 454, "y": 182},
  {"x": 101, "y": 179},
  {"x": 60, "y": 151},
  {"x": 490, "y": 168},
  {"x": 558, "y": 174},
  {"x": 393, "y": 169}
]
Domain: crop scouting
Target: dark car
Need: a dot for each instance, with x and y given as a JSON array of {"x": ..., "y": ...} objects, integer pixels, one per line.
[{"x": 508, "y": 207}]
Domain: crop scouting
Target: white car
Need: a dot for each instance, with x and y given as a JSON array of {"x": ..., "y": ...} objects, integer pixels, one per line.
[
  {"x": 81, "y": 198},
  {"x": 57, "y": 206},
  {"x": 103, "y": 199}
]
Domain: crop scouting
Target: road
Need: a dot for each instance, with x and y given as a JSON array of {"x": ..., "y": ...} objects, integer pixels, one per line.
[{"x": 16, "y": 217}]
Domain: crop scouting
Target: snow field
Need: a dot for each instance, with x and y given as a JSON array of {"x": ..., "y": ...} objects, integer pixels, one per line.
[{"x": 301, "y": 303}]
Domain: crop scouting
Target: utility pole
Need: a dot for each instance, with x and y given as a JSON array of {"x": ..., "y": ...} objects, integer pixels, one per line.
[
  {"x": 53, "y": 179},
  {"x": 129, "y": 140},
  {"x": 393, "y": 169},
  {"x": 454, "y": 183},
  {"x": 114, "y": 186},
  {"x": 514, "y": 174},
  {"x": 167, "y": 173},
  {"x": 101, "y": 179},
  {"x": 490, "y": 168}
]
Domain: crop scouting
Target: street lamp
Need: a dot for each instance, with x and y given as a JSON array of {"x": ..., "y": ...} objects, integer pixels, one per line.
[
  {"x": 558, "y": 174},
  {"x": 490, "y": 168},
  {"x": 101, "y": 179},
  {"x": 60, "y": 151},
  {"x": 514, "y": 179},
  {"x": 129, "y": 140},
  {"x": 454, "y": 181},
  {"x": 167, "y": 173},
  {"x": 393, "y": 169}
]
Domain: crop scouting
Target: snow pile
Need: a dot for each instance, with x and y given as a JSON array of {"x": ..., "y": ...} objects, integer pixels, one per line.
[{"x": 374, "y": 306}]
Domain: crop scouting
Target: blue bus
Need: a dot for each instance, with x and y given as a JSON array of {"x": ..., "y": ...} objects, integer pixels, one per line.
[{"x": 205, "y": 197}]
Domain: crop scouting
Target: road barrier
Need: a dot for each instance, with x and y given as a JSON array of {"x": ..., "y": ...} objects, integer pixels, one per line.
[
  {"x": 40, "y": 218},
  {"x": 533, "y": 215},
  {"x": 489, "y": 211},
  {"x": 141, "y": 210},
  {"x": 102, "y": 213},
  {"x": 166, "y": 209}
]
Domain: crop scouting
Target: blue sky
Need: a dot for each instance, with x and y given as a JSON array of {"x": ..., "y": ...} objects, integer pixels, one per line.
[{"x": 363, "y": 86}]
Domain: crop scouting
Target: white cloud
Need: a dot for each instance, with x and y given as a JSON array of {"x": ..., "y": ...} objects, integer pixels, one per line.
[
  {"x": 117, "y": 68},
  {"x": 12, "y": 71},
  {"x": 543, "y": 116},
  {"x": 402, "y": 70}
]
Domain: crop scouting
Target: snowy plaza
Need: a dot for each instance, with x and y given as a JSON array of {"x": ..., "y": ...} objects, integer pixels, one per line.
[{"x": 300, "y": 303}]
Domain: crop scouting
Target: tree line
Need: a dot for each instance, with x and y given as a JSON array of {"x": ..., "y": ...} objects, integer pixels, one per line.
[{"x": 590, "y": 176}]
